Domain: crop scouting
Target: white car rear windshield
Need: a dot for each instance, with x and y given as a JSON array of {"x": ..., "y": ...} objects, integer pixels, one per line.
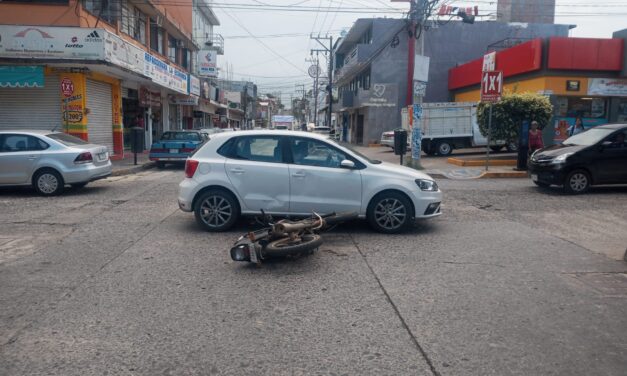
[{"x": 66, "y": 139}]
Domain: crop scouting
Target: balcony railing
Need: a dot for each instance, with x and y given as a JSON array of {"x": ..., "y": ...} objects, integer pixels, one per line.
[{"x": 215, "y": 41}]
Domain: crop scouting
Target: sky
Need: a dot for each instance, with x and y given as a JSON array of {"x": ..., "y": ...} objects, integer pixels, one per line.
[{"x": 271, "y": 47}]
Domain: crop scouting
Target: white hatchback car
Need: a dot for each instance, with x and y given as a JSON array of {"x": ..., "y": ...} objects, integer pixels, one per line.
[{"x": 297, "y": 173}]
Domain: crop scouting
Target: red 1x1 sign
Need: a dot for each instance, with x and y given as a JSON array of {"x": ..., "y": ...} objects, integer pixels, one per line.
[{"x": 491, "y": 86}]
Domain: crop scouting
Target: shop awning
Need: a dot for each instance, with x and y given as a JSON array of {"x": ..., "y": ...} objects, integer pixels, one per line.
[{"x": 21, "y": 76}]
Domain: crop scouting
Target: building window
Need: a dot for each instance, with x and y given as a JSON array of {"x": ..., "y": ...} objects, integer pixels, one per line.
[
  {"x": 106, "y": 10},
  {"x": 133, "y": 22},
  {"x": 186, "y": 59},
  {"x": 172, "y": 49},
  {"x": 156, "y": 37}
]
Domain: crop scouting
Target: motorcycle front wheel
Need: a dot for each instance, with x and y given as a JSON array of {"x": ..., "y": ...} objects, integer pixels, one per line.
[{"x": 287, "y": 246}]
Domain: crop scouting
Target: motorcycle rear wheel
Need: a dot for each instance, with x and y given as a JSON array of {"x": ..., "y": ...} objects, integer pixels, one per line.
[{"x": 288, "y": 247}]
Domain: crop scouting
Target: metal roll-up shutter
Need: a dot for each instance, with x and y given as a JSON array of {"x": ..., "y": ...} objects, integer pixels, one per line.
[
  {"x": 32, "y": 108},
  {"x": 100, "y": 117}
]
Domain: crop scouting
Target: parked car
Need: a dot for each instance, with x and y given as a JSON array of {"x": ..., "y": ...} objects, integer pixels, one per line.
[
  {"x": 594, "y": 157},
  {"x": 50, "y": 160},
  {"x": 322, "y": 130},
  {"x": 297, "y": 173},
  {"x": 175, "y": 147},
  {"x": 387, "y": 139},
  {"x": 207, "y": 132}
]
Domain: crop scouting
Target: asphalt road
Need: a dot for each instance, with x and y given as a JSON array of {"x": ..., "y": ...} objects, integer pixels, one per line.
[{"x": 510, "y": 280}]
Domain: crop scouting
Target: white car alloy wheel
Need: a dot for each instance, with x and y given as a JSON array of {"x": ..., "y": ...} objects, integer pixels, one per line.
[
  {"x": 216, "y": 210},
  {"x": 48, "y": 183},
  {"x": 389, "y": 212}
]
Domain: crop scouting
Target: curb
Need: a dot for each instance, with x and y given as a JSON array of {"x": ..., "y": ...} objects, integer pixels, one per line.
[
  {"x": 133, "y": 169},
  {"x": 374, "y": 145},
  {"x": 506, "y": 175},
  {"x": 479, "y": 163}
]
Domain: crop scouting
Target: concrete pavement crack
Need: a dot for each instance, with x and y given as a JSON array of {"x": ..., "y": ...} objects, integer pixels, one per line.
[
  {"x": 419, "y": 347},
  {"x": 470, "y": 263}
]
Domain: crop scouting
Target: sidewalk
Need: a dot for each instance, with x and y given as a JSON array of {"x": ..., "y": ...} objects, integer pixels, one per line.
[
  {"x": 438, "y": 167},
  {"x": 126, "y": 166}
]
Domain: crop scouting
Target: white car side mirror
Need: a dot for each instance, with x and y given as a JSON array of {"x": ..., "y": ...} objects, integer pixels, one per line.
[{"x": 347, "y": 164}]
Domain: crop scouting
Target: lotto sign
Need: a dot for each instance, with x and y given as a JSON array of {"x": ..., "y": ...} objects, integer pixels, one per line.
[
  {"x": 67, "y": 87},
  {"x": 491, "y": 86}
]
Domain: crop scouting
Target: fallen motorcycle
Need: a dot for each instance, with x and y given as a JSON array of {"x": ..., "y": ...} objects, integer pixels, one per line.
[{"x": 285, "y": 237}]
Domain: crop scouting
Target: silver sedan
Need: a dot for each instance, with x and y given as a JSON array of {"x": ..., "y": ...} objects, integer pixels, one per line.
[{"x": 50, "y": 160}]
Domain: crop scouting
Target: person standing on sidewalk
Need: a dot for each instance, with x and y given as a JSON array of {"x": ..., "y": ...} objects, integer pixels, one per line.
[{"x": 535, "y": 138}]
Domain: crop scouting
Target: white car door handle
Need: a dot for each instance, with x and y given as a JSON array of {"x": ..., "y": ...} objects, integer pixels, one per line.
[
  {"x": 237, "y": 170},
  {"x": 298, "y": 174},
  {"x": 32, "y": 157}
]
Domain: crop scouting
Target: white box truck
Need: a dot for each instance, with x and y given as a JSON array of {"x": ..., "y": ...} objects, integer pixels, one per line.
[
  {"x": 453, "y": 125},
  {"x": 447, "y": 126}
]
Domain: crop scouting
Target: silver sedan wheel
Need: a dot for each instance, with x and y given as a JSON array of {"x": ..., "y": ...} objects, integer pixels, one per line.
[
  {"x": 578, "y": 182},
  {"x": 215, "y": 211},
  {"x": 47, "y": 183},
  {"x": 390, "y": 213}
]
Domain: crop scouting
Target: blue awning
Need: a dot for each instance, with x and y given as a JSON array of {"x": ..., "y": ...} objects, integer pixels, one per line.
[{"x": 21, "y": 76}]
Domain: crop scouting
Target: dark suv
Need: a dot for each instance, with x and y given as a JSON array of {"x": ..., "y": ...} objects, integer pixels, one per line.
[{"x": 595, "y": 157}]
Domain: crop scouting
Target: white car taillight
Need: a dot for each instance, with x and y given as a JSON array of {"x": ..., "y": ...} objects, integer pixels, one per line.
[{"x": 85, "y": 157}]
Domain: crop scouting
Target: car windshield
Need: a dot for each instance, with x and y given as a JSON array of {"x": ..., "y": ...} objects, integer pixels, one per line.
[
  {"x": 181, "y": 136},
  {"x": 589, "y": 137},
  {"x": 372, "y": 161},
  {"x": 66, "y": 139}
]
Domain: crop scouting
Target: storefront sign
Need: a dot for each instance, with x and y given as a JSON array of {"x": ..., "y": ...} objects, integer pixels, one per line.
[
  {"x": 573, "y": 85},
  {"x": 148, "y": 98},
  {"x": 164, "y": 74},
  {"x": 21, "y": 76},
  {"x": 194, "y": 85},
  {"x": 122, "y": 53},
  {"x": 380, "y": 95},
  {"x": 611, "y": 87},
  {"x": 208, "y": 63},
  {"x": 51, "y": 42},
  {"x": 184, "y": 100},
  {"x": 489, "y": 62}
]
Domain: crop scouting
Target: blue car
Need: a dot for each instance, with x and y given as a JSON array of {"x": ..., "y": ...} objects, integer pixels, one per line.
[{"x": 175, "y": 147}]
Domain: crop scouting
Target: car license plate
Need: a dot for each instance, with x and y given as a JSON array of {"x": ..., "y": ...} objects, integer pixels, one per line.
[
  {"x": 174, "y": 151},
  {"x": 102, "y": 156},
  {"x": 534, "y": 177}
]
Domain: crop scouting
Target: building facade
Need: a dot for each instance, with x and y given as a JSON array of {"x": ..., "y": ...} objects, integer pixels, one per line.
[
  {"x": 371, "y": 63},
  {"x": 528, "y": 11},
  {"x": 583, "y": 77},
  {"x": 95, "y": 68}
]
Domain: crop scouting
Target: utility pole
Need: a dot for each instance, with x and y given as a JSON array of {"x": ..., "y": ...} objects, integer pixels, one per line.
[{"x": 327, "y": 50}]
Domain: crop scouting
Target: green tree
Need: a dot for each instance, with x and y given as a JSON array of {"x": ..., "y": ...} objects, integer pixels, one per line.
[{"x": 509, "y": 113}]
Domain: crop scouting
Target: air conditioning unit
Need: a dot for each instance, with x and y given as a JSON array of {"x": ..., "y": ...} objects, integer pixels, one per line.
[{"x": 159, "y": 20}]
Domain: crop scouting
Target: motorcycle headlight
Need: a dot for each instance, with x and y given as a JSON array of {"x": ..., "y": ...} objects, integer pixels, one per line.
[
  {"x": 561, "y": 158},
  {"x": 427, "y": 185}
]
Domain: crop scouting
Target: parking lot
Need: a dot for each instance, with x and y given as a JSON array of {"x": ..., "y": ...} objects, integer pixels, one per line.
[{"x": 511, "y": 279}]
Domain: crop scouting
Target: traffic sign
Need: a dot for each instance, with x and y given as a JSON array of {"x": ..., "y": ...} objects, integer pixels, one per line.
[{"x": 491, "y": 86}]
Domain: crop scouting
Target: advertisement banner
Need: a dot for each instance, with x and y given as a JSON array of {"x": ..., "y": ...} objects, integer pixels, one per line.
[
  {"x": 51, "y": 42},
  {"x": 611, "y": 87},
  {"x": 208, "y": 63},
  {"x": 194, "y": 85},
  {"x": 123, "y": 54},
  {"x": 164, "y": 74},
  {"x": 72, "y": 92},
  {"x": 183, "y": 100},
  {"x": 563, "y": 124}
]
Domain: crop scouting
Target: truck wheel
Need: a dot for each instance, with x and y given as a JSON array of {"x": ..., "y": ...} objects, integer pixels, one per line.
[
  {"x": 512, "y": 147},
  {"x": 444, "y": 148}
]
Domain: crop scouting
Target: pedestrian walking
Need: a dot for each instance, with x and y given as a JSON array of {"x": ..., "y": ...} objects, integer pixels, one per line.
[
  {"x": 535, "y": 138},
  {"x": 577, "y": 128}
]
